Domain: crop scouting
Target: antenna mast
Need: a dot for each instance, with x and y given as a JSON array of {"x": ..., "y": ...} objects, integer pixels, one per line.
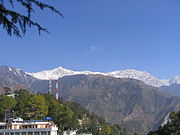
[
  {"x": 57, "y": 90},
  {"x": 50, "y": 86}
]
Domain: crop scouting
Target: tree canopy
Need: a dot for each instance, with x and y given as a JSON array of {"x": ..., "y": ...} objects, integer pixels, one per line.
[
  {"x": 15, "y": 22},
  {"x": 67, "y": 115},
  {"x": 7, "y": 104},
  {"x": 171, "y": 128}
]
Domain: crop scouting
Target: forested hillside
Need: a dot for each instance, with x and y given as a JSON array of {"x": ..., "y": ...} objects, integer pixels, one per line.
[
  {"x": 171, "y": 128},
  {"x": 67, "y": 115}
]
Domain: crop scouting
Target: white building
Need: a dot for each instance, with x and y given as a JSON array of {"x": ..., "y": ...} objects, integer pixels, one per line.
[
  {"x": 70, "y": 132},
  {"x": 30, "y": 127}
]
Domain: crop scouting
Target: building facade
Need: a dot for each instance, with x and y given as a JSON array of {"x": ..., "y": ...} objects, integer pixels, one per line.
[{"x": 29, "y": 127}]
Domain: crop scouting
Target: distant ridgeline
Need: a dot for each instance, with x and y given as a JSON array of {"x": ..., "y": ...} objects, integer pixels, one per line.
[{"x": 67, "y": 115}]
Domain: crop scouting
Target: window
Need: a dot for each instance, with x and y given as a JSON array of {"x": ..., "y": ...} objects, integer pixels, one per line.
[
  {"x": 30, "y": 133},
  {"x": 43, "y": 133},
  {"x": 23, "y": 133},
  {"x": 17, "y": 133},
  {"x": 2, "y": 127},
  {"x": 36, "y": 133},
  {"x": 24, "y": 126}
]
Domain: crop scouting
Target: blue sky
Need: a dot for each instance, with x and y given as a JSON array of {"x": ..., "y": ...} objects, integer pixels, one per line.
[{"x": 101, "y": 35}]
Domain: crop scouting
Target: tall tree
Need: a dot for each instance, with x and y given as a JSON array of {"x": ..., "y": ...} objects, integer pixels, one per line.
[
  {"x": 14, "y": 22},
  {"x": 22, "y": 97},
  {"x": 30, "y": 106},
  {"x": 61, "y": 114},
  {"x": 37, "y": 108},
  {"x": 7, "y": 104}
]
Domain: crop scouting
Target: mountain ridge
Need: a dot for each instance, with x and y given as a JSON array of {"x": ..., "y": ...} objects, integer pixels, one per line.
[
  {"x": 124, "y": 101},
  {"x": 144, "y": 76}
]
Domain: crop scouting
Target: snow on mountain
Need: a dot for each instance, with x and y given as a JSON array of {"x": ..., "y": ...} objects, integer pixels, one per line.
[
  {"x": 175, "y": 79},
  {"x": 166, "y": 120},
  {"x": 139, "y": 75},
  {"x": 130, "y": 73},
  {"x": 52, "y": 74},
  {"x": 14, "y": 77},
  {"x": 12, "y": 71},
  {"x": 58, "y": 73}
]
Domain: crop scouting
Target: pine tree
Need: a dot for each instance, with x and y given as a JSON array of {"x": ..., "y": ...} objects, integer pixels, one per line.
[{"x": 14, "y": 22}]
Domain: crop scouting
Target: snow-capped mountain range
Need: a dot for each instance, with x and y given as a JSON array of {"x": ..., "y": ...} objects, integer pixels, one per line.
[{"x": 130, "y": 73}]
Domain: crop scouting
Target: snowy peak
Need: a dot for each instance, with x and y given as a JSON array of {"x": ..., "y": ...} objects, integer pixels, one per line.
[
  {"x": 12, "y": 71},
  {"x": 58, "y": 73},
  {"x": 139, "y": 75},
  {"x": 175, "y": 79},
  {"x": 14, "y": 77},
  {"x": 52, "y": 74},
  {"x": 130, "y": 73}
]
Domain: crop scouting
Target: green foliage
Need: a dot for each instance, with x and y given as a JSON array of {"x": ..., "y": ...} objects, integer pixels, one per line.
[
  {"x": 113, "y": 130},
  {"x": 7, "y": 90},
  {"x": 91, "y": 123},
  {"x": 171, "y": 128},
  {"x": 22, "y": 98},
  {"x": 136, "y": 134},
  {"x": 37, "y": 108},
  {"x": 77, "y": 109},
  {"x": 61, "y": 114},
  {"x": 30, "y": 106},
  {"x": 6, "y": 104},
  {"x": 107, "y": 130},
  {"x": 67, "y": 115},
  {"x": 51, "y": 103},
  {"x": 14, "y": 22},
  {"x": 119, "y": 130}
]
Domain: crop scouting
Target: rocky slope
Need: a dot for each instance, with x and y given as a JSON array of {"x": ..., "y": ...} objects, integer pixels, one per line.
[
  {"x": 15, "y": 78},
  {"x": 11, "y": 76},
  {"x": 135, "y": 105},
  {"x": 129, "y": 102},
  {"x": 173, "y": 89}
]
